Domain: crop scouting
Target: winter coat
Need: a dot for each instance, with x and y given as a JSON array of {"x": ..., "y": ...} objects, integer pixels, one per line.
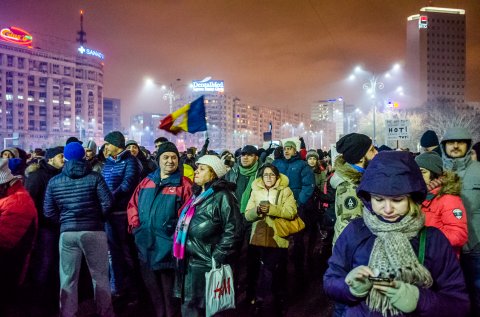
[
  {"x": 214, "y": 231},
  {"x": 282, "y": 205},
  {"x": 300, "y": 176},
  {"x": 18, "y": 227},
  {"x": 444, "y": 210},
  {"x": 148, "y": 166},
  {"x": 153, "y": 214},
  {"x": 447, "y": 296},
  {"x": 78, "y": 198},
  {"x": 348, "y": 206},
  {"x": 122, "y": 176},
  {"x": 469, "y": 172},
  {"x": 36, "y": 184}
]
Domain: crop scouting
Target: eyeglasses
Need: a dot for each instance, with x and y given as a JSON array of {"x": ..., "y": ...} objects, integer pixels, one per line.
[{"x": 269, "y": 175}]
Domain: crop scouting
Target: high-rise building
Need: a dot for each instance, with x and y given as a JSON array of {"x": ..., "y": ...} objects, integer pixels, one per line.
[
  {"x": 436, "y": 42},
  {"x": 111, "y": 115},
  {"x": 47, "y": 95}
]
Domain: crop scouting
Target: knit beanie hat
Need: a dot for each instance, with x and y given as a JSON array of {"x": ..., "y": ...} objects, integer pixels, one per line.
[
  {"x": 429, "y": 139},
  {"x": 215, "y": 163},
  {"x": 167, "y": 147},
  {"x": 73, "y": 139},
  {"x": 353, "y": 147},
  {"x": 115, "y": 138},
  {"x": 52, "y": 152},
  {"x": 12, "y": 150},
  {"x": 430, "y": 161},
  {"x": 392, "y": 173},
  {"x": 312, "y": 153},
  {"x": 74, "y": 151},
  {"x": 5, "y": 173},
  {"x": 290, "y": 144},
  {"x": 130, "y": 142}
]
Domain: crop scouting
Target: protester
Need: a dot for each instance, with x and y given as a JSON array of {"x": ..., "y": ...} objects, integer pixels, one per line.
[
  {"x": 443, "y": 206},
  {"x": 43, "y": 272},
  {"x": 356, "y": 151},
  {"x": 91, "y": 156},
  {"x": 385, "y": 243},
  {"x": 18, "y": 227},
  {"x": 122, "y": 175},
  {"x": 271, "y": 198},
  {"x": 429, "y": 142},
  {"x": 152, "y": 216},
  {"x": 147, "y": 165},
  {"x": 302, "y": 183},
  {"x": 208, "y": 227},
  {"x": 80, "y": 201},
  {"x": 456, "y": 148}
]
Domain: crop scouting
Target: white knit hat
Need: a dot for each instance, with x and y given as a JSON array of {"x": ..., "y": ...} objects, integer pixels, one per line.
[
  {"x": 5, "y": 173},
  {"x": 215, "y": 163}
]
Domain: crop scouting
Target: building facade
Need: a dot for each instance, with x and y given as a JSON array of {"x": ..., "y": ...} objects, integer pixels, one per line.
[
  {"x": 111, "y": 115},
  {"x": 436, "y": 52},
  {"x": 47, "y": 96}
]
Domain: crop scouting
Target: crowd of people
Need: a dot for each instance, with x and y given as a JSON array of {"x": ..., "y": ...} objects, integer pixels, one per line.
[{"x": 394, "y": 232}]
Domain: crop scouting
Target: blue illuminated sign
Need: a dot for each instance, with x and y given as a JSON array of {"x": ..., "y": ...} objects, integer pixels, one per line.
[{"x": 86, "y": 51}]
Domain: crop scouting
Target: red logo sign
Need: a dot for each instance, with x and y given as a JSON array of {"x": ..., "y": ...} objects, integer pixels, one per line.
[
  {"x": 16, "y": 35},
  {"x": 222, "y": 288}
]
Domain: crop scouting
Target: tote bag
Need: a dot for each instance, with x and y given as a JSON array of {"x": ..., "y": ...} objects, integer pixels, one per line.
[{"x": 219, "y": 289}]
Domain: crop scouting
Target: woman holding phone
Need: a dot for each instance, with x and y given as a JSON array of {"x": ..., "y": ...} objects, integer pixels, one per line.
[
  {"x": 270, "y": 198},
  {"x": 376, "y": 269}
]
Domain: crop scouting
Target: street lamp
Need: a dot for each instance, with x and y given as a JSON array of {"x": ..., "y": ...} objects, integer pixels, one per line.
[{"x": 321, "y": 139}]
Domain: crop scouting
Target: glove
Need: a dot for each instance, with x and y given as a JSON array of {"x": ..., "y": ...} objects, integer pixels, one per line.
[
  {"x": 358, "y": 282},
  {"x": 403, "y": 296}
]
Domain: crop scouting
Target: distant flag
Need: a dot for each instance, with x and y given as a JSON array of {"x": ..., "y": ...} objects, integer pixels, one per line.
[{"x": 193, "y": 119}]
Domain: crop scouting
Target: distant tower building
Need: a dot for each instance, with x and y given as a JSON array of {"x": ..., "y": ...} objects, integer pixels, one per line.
[
  {"x": 330, "y": 111},
  {"x": 111, "y": 115},
  {"x": 436, "y": 42}
]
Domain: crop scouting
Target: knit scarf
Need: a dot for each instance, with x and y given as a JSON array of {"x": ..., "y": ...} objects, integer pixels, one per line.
[
  {"x": 392, "y": 255},
  {"x": 180, "y": 236},
  {"x": 251, "y": 172}
]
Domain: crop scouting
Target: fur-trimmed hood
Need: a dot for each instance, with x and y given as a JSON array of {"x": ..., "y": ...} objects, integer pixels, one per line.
[
  {"x": 344, "y": 172},
  {"x": 451, "y": 184}
]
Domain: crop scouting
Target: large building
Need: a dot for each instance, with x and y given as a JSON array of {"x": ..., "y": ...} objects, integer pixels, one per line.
[
  {"x": 47, "y": 95},
  {"x": 111, "y": 115},
  {"x": 436, "y": 56}
]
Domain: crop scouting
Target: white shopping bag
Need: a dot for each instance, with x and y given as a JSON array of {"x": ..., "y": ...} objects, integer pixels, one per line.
[{"x": 219, "y": 289}]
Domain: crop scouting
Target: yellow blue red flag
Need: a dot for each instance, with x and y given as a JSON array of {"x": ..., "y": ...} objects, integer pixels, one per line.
[{"x": 191, "y": 118}]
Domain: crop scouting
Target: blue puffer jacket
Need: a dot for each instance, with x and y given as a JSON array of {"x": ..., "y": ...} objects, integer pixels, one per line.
[
  {"x": 122, "y": 176},
  {"x": 78, "y": 198},
  {"x": 300, "y": 176}
]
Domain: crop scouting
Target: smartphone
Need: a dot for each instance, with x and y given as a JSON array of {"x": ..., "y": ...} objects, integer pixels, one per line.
[{"x": 384, "y": 281}]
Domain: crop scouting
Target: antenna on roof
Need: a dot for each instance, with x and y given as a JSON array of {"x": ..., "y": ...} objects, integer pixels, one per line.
[{"x": 82, "y": 35}]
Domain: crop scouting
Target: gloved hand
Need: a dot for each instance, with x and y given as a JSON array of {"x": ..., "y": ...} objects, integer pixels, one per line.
[
  {"x": 357, "y": 280},
  {"x": 403, "y": 296}
]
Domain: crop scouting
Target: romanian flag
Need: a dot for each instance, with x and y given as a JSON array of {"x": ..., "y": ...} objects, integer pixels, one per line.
[{"x": 192, "y": 118}]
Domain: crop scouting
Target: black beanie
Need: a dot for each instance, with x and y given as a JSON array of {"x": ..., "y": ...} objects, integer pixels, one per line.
[
  {"x": 115, "y": 138},
  {"x": 429, "y": 139},
  {"x": 52, "y": 152},
  {"x": 353, "y": 146},
  {"x": 167, "y": 147}
]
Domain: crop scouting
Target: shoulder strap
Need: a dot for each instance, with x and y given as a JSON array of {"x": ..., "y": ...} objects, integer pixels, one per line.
[{"x": 421, "y": 249}]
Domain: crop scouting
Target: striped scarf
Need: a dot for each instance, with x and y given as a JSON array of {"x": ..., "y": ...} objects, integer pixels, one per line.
[{"x": 180, "y": 236}]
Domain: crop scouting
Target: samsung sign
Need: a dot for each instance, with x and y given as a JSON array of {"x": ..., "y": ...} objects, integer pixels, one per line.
[
  {"x": 208, "y": 85},
  {"x": 86, "y": 51}
]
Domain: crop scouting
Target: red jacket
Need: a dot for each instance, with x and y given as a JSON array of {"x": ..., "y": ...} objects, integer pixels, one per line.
[
  {"x": 18, "y": 227},
  {"x": 444, "y": 210}
]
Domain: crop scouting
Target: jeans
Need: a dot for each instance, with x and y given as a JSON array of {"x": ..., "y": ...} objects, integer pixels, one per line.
[
  {"x": 120, "y": 255},
  {"x": 92, "y": 245},
  {"x": 470, "y": 262}
]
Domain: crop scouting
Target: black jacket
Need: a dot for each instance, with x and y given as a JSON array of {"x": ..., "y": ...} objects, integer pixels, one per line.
[
  {"x": 215, "y": 228},
  {"x": 78, "y": 198},
  {"x": 36, "y": 185}
]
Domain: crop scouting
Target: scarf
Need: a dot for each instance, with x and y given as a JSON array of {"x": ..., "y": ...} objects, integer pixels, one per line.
[
  {"x": 251, "y": 172},
  {"x": 180, "y": 236},
  {"x": 393, "y": 256}
]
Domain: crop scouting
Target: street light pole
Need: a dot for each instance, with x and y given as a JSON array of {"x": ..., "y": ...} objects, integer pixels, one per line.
[
  {"x": 372, "y": 86},
  {"x": 170, "y": 95}
]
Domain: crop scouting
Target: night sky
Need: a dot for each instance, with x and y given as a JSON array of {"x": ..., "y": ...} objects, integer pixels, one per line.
[{"x": 276, "y": 53}]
